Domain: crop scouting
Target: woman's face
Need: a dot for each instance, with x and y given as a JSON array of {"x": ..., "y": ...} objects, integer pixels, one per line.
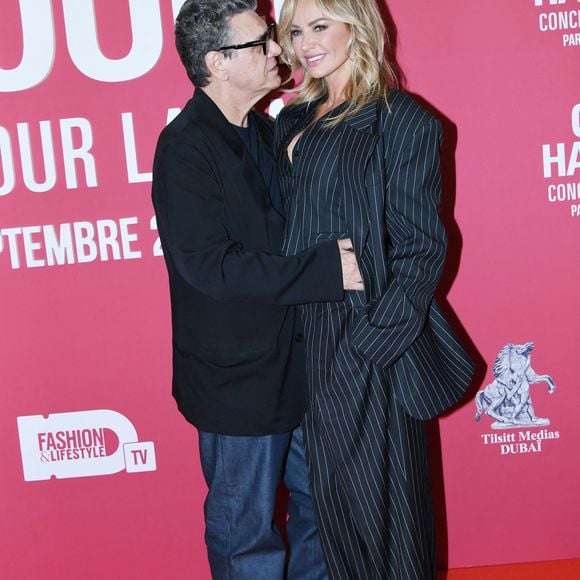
[{"x": 321, "y": 43}]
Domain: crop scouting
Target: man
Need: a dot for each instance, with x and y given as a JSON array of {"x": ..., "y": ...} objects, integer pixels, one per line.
[{"x": 238, "y": 360}]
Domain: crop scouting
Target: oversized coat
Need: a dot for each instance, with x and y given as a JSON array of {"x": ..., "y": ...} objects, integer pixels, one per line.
[{"x": 399, "y": 356}]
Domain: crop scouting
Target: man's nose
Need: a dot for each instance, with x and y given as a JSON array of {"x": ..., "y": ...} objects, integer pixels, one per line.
[{"x": 274, "y": 49}]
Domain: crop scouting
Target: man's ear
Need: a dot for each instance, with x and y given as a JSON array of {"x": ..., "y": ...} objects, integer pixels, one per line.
[{"x": 215, "y": 60}]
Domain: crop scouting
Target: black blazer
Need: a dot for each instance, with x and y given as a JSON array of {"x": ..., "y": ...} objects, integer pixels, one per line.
[
  {"x": 238, "y": 360},
  {"x": 389, "y": 171}
]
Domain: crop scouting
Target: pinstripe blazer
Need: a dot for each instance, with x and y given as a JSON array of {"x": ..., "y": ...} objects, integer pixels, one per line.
[{"x": 389, "y": 169}]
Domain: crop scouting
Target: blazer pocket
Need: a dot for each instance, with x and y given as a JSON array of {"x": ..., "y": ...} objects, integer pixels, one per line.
[
  {"x": 228, "y": 355},
  {"x": 318, "y": 237},
  {"x": 357, "y": 321}
]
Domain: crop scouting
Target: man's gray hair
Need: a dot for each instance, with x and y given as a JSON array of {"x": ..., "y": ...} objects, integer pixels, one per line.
[{"x": 203, "y": 26}]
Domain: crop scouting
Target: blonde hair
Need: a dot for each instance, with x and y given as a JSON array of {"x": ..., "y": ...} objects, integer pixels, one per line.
[{"x": 371, "y": 75}]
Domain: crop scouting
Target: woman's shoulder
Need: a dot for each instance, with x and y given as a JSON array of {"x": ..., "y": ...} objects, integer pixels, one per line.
[
  {"x": 399, "y": 102},
  {"x": 291, "y": 112},
  {"x": 287, "y": 118},
  {"x": 400, "y": 107}
]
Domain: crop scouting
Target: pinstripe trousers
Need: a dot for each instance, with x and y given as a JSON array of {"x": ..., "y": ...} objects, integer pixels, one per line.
[{"x": 367, "y": 459}]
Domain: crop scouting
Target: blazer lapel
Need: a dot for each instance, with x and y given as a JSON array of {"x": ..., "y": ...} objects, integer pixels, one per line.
[
  {"x": 358, "y": 140},
  {"x": 250, "y": 179}
]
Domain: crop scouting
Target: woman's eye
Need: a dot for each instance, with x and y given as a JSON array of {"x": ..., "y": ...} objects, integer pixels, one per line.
[
  {"x": 320, "y": 27},
  {"x": 294, "y": 33}
]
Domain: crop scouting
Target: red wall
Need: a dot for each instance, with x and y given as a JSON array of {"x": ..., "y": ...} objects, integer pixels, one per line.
[{"x": 84, "y": 309}]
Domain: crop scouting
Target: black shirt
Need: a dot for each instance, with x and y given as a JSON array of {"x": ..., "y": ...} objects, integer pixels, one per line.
[{"x": 252, "y": 140}]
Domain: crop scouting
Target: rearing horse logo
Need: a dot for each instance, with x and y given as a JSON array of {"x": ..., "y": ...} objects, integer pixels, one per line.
[{"x": 507, "y": 399}]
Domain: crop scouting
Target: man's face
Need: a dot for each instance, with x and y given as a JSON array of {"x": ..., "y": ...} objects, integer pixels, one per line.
[{"x": 252, "y": 74}]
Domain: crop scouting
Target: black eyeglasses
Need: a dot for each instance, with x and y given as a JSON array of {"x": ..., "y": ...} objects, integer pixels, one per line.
[{"x": 263, "y": 41}]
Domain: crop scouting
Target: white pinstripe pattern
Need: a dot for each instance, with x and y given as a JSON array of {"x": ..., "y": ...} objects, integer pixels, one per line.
[
  {"x": 367, "y": 457},
  {"x": 377, "y": 358}
]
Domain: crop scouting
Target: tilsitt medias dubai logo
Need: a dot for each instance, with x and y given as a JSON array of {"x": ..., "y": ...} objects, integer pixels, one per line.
[{"x": 508, "y": 401}]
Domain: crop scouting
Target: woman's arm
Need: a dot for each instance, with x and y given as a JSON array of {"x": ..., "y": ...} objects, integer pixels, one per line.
[{"x": 416, "y": 238}]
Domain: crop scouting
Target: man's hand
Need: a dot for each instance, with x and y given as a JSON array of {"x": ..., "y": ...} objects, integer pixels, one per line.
[{"x": 351, "y": 276}]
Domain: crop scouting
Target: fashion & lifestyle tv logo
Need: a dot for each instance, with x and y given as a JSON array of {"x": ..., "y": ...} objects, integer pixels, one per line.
[{"x": 81, "y": 444}]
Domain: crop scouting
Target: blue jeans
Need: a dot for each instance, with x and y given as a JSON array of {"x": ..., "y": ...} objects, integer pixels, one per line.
[{"x": 243, "y": 474}]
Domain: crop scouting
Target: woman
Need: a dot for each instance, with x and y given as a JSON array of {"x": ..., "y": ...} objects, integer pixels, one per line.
[{"x": 359, "y": 160}]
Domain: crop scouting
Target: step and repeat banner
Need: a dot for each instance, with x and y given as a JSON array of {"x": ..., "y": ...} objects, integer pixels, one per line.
[{"x": 100, "y": 474}]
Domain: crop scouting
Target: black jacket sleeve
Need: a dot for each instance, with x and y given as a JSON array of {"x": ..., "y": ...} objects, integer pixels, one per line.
[{"x": 191, "y": 215}]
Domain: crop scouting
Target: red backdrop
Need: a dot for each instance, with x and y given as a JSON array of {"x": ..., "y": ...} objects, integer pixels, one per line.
[{"x": 86, "y": 86}]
